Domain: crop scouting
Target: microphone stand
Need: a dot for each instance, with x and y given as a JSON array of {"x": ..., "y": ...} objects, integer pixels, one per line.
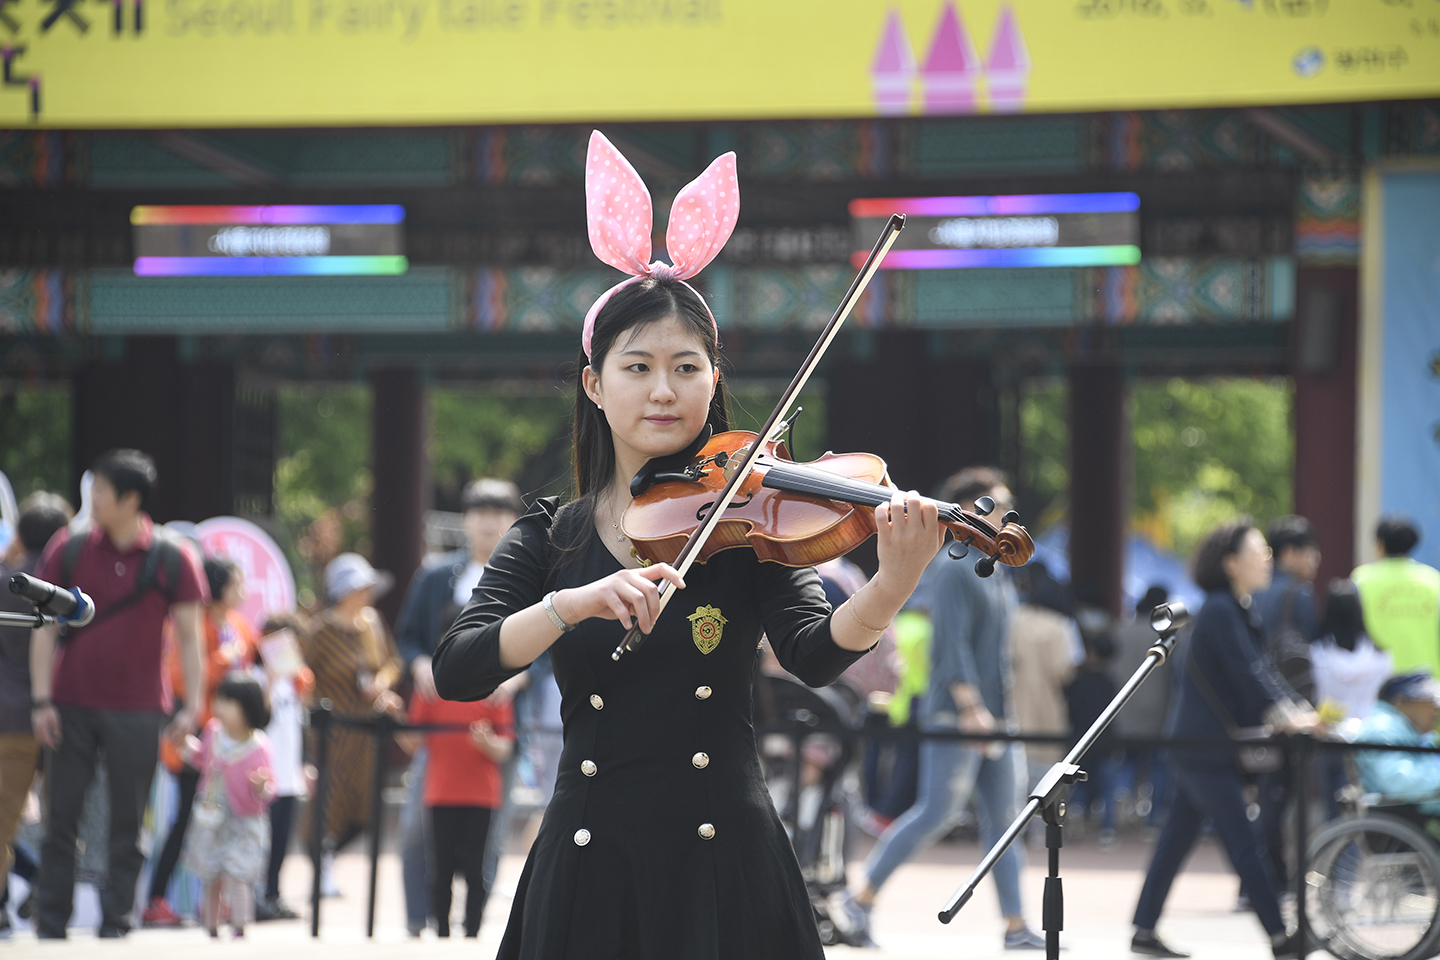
[
  {"x": 1049, "y": 796},
  {"x": 33, "y": 620}
]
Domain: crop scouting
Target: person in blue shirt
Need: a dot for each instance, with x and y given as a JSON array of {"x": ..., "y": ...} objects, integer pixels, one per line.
[
  {"x": 970, "y": 681},
  {"x": 1289, "y": 601},
  {"x": 1405, "y": 716}
]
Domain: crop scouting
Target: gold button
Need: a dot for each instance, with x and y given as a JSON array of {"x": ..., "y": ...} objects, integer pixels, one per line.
[
  {"x": 703, "y": 693},
  {"x": 582, "y": 837},
  {"x": 588, "y": 767},
  {"x": 706, "y": 831},
  {"x": 596, "y": 701},
  {"x": 701, "y": 760}
]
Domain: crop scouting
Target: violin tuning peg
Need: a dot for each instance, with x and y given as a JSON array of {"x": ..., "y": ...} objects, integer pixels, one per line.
[
  {"x": 963, "y": 548},
  {"x": 1010, "y": 517},
  {"x": 985, "y": 566},
  {"x": 984, "y": 506}
]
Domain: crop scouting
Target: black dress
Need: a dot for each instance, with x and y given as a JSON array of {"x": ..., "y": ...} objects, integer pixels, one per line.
[{"x": 661, "y": 842}]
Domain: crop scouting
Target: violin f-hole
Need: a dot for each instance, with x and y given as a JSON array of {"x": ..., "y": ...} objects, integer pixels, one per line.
[{"x": 734, "y": 504}]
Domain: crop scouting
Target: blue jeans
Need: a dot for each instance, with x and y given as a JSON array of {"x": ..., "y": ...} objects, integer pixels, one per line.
[
  {"x": 415, "y": 868},
  {"x": 1211, "y": 792},
  {"x": 950, "y": 771}
]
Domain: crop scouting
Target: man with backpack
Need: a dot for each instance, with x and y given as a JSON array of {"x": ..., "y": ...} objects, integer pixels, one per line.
[{"x": 98, "y": 690}]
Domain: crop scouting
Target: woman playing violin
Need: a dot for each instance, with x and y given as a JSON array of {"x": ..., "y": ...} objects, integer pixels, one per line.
[{"x": 661, "y": 841}]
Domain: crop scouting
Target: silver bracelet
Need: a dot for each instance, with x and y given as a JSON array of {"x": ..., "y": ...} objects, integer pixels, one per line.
[{"x": 549, "y": 604}]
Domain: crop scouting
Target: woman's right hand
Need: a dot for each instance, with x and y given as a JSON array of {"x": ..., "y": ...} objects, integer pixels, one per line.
[{"x": 629, "y": 596}]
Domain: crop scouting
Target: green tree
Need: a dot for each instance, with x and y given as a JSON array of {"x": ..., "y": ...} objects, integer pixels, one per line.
[
  {"x": 525, "y": 439},
  {"x": 1044, "y": 482},
  {"x": 1207, "y": 451},
  {"x": 35, "y": 439}
]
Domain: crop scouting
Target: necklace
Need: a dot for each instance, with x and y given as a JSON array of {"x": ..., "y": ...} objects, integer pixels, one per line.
[{"x": 615, "y": 525}]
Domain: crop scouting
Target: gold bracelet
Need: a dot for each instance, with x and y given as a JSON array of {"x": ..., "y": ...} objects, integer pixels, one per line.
[{"x": 863, "y": 625}]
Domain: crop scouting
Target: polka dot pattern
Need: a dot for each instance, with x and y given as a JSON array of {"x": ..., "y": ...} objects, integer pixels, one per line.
[
  {"x": 620, "y": 217},
  {"x": 617, "y": 208}
]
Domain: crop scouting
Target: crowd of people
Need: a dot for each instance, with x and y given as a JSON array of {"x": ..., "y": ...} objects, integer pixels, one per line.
[
  {"x": 170, "y": 673},
  {"x": 1261, "y": 658},
  {"x": 94, "y": 709}
]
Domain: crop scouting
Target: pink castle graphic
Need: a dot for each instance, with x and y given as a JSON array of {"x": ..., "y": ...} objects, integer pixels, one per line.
[
  {"x": 892, "y": 72},
  {"x": 952, "y": 67},
  {"x": 1008, "y": 66},
  {"x": 950, "y": 76}
]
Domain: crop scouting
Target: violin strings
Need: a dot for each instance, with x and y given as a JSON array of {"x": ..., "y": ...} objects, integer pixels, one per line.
[
  {"x": 839, "y": 488},
  {"x": 818, "y": 483}
]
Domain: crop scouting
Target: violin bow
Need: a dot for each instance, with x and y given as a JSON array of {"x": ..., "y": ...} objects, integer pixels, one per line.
[{"x": 635, "y": 637}]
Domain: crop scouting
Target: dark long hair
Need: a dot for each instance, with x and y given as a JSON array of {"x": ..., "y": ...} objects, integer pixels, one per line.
[
  {"x": 630, "y": 309},
  {"x": 1224, "y": 541},
  {"x": 1344, "y": 620}
]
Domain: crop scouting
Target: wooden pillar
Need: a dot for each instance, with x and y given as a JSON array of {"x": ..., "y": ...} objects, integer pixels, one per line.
[
  {"x": 1326, "y": 345},
  {"x": 181, "y": 414},
  {"x": 1099, "y": 482},
  {"x": 926, "y": 417},
  {"x": 399, "y": 431}
]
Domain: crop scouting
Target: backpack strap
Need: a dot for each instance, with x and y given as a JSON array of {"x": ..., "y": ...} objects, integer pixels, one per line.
[
  {"x": 164, "y": 549},
  {"x": 70, "y": 554}
]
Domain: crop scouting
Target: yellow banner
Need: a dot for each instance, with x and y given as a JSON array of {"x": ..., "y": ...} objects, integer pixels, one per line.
[{"x": 160, "y": 63}]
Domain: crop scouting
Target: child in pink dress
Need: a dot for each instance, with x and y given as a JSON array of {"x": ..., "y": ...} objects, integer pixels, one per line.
[{"x": 229, "y": 840}]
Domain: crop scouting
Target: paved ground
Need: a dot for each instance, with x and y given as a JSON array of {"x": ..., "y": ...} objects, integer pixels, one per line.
[{"x": 1100, "y": 892}]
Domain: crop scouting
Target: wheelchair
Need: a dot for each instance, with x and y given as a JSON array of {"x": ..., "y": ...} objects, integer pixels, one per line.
[
  {"x": 1373, "y": 881},
  {"x": 817, "y": 817}
]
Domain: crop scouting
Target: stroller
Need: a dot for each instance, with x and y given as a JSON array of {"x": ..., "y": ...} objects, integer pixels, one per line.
[{"x": 806, "y": 777}]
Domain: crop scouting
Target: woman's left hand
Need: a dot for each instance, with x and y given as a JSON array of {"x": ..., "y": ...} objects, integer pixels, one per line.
[{"x": 908, "y": 535}]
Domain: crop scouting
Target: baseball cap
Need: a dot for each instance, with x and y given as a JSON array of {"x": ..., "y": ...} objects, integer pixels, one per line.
[
  {"x": 350, "y": 572},
  {"x": 1411, "y": 686}
]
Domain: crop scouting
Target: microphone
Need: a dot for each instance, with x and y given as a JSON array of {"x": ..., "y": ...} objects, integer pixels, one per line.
[
  {"x": 1169, "y": 617},
  {"x": 71, "y": 607}
]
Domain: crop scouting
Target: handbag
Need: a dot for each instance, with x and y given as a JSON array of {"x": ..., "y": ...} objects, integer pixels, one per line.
[{"x": 1249, "y": 757}]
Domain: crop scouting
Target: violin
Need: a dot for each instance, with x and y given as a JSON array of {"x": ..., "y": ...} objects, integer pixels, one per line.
[
  {"x": 800, "y": 493},
  {"x": 796, "y": 514}
]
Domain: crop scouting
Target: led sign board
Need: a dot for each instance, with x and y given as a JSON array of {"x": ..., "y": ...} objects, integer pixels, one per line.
[
  {"x": 269, "y": 241},
  {"x": 1032, "y": 230}
]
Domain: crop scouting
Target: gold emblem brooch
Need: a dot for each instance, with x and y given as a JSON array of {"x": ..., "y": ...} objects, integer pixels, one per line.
[{"x": 706, "y": 626}]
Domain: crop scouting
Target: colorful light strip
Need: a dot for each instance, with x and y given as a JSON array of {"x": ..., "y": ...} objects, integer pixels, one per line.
[
  {"x": 1113, "y": 256},
  {"x": 268, "y": 266},
  {"x": 272, "y": 215},
  {"x": 1018, "y": 205}
]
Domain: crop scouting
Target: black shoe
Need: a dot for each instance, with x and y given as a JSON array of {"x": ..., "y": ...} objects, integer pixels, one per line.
[
  {"x": 43, "y": 932},
  {"x": 1289, "y": 949},
  {"x": 283, "y": 910},
  {"x": 274, "y": 908},
  {"x": 1152, "y": 946},
  {"x": 26, "y": 910},
  {"x": 112, "y": 931}
]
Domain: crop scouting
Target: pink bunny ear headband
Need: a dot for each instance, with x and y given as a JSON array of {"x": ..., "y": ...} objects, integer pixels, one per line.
[{"x": 620, "y": 217}]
